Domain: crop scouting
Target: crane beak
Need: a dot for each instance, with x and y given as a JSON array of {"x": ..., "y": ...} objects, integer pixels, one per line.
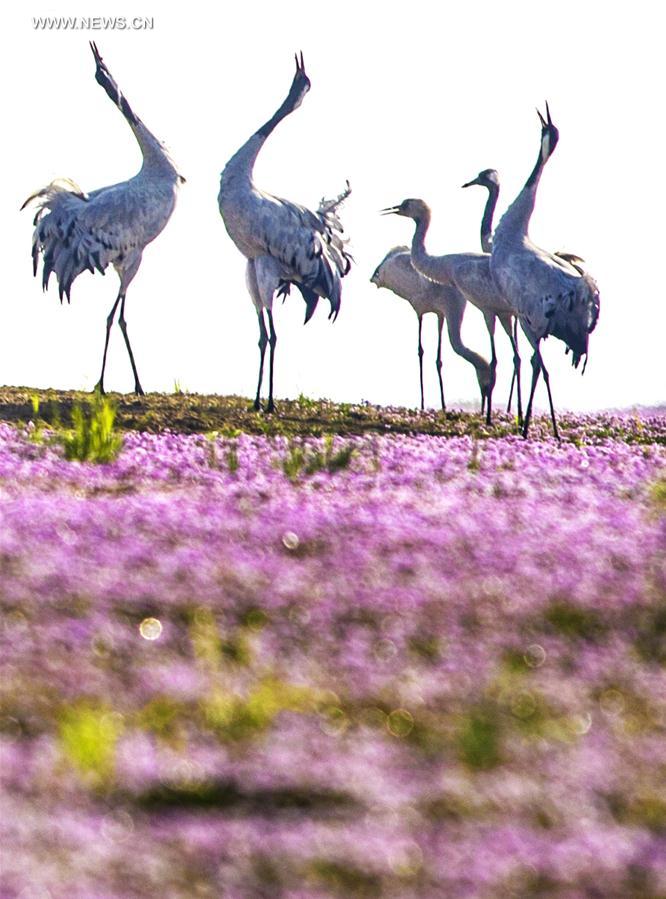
[
  {"x": 547, "y": 121},
  {"x": 390, "y": 210},
  {"x": 470, "y": 183}
]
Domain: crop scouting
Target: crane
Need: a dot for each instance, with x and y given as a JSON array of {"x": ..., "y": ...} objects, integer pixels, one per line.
[
  {"x": 550, "y": 294},
  {"x": 396, "y": 273},
  {"x": 77, "y": 231},
  {"x": 469, "y": 273},
  {"x": 489, "y": 179},
  {"x": 284, "y": 243}
]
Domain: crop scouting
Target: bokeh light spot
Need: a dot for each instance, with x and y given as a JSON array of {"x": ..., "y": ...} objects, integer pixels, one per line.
[
  {"x": 612, "y": 702},
  {"x": 534, "y": 655},
  {"x": 580, "y": 724},
  {"x": 400, "y": 723},
  {"x": 117, "y": 827},
  {"x": 150, "y": 629},
  {"x": 290, "y": 540}
]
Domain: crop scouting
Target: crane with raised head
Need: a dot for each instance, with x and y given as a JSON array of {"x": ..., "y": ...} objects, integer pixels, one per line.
[
  {"x": 489, "y": 179},
  {"x": 77, "y": 231},
  {"x": 284, "y": 243},
  {"x": 551, "y": 294}
]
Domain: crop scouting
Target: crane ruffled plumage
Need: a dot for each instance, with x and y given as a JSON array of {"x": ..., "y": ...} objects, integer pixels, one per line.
[
  {"x": 284, "y": 243},
  {"x": 321, "y": 259},
  {"x": 551, "y": 293},
  {"x": 77, "y": 232}
]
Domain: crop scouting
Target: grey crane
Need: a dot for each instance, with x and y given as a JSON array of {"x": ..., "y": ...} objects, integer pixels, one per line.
[
  {"x": 396, "y": 273},
  {"x": 284, "y": 243},
  {"x": 467, "y": 272},
  {"x": 550, "y": 294},
  {"x": 489, "y": 179},
  {"x": 77, "y": 231}
]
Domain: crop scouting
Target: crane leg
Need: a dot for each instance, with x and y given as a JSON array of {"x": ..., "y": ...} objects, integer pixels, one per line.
[
  {"x": 421, "y": 362},
  {"x": 515, "y": 380},
  {"x": 99, "y": 387},
  {"x": 546, "y": 378},
  {"x": 272, "y": 339},
  {"x": 440, "y": 325},
  {"x": 537, "y": 365},
  {"x": 123, "y": 327},
  {"x": 491, "y": 387},
  {"x": 487, "y": 399},
  {"x": 513, "y": 376},
  {"x": 263, "y": 340}
]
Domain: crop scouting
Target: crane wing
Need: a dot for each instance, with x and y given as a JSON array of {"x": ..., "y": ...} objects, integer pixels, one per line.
[
  {"x": 308, "y": 246},
  {"x": 75, "y": 232}
]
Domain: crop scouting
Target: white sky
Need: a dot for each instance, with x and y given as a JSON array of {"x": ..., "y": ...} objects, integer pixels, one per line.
[{"x": 407, "y": 100}]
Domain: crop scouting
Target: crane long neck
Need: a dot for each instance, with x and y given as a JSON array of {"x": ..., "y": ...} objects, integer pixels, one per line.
[
  {"x": 516, "y": 220},
  {"x": 436, "y": 268},
  {"x": 454, "y": 330},
  {"x": 420, "y": 256},
  {"x": 155, "y": 158},
  {"x": 280, "y": 113},
  {"x": 487, "y": 220},
  {"x": 241, "y": 165}
]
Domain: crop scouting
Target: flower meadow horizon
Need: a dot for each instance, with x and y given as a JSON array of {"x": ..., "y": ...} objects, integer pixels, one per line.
[{"x": 377, "y": 666}]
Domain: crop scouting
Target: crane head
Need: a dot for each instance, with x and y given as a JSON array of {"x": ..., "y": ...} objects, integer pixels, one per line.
[
  {"x": 411, "y": 208},
  {"x": 549, "y": 134},
  {"x": 106, "y": 80},
  {"x": 486, "y": 379},
  {"x": 301, "y": 83},
  {"x": 487, "y": 178}
]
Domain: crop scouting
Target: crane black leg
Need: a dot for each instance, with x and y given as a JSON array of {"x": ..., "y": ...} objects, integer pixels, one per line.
[
  {"x": 109, "y": 322},
  {"x": 546, "y": 378},
  {"x": 272, "y": 339},
  {"x": 513, "y": 376},
  {"x": 491, "y": 387},
  {"x": 123, "y": 327},
  {"x": 537, "y": 365},
  {"x": 516, "y": 374},
  {"x": 421, "y": 362},
  {"x": 263, "y": 340},
  {"x": 440, "y": 325}
]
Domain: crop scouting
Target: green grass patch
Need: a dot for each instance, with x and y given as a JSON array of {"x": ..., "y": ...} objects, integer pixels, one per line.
[{"x": 92, "y": 437}]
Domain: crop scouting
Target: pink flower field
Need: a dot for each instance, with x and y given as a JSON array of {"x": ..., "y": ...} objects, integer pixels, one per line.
[{"x": 366, "y": 666}]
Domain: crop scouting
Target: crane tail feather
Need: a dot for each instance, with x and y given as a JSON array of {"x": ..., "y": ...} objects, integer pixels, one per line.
[{"x": 66, "y": 246}]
